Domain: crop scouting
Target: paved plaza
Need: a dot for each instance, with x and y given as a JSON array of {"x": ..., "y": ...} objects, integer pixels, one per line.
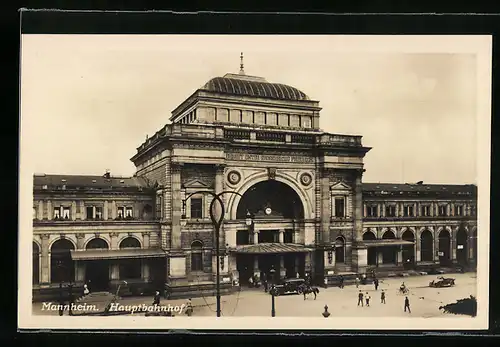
[{"x": 424, "y": 301}]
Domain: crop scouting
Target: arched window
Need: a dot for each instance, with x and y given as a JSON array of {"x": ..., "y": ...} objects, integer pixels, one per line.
[
  {"x": 62, "y": 268},
  {"x": 130, "y": 242},
  {"x": 36, "y": 263},
  {"x": 196, "y": 256},
  {"x": 130, "y": 268},
  {"x": 408, "y": 250},
  {"x": 389, "y": 253},
  {"x": 339, "y": 249},
  {"x": 444, "y": 244},
  {"x": 426, "y": 246},
  {"x": 97, "y": 244},
  {"x": 372, "y": 251}
]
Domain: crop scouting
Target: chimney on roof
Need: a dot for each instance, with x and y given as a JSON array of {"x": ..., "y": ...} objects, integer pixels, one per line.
[{"x": 107, "y": 174}]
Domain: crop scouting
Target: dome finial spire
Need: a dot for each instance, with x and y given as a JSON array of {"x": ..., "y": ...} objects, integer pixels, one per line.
[{"x": 242, "y": 72}]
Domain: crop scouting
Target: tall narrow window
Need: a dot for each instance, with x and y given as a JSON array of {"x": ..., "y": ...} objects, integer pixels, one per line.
[
  {"x": 458, "y": 210},
  {"x": 442, "y": 210},
  {"x": 425, "y": 211},
  {"x": 196, "y": 208},
  {"x": 65, "y": 212},
  {"x": 196, "y": 256},
  {"x": 121, "y": 212},
  {"x": 390, "y": 211},
  {"x": 340, "y": 207},
  {"x": 472, "y": 210},
  {"x": 408, "y": 211},
  {"x": 90, "y": 212},
  {"x": 371, "y": 211},
  {"x": 128, "y": 212}
]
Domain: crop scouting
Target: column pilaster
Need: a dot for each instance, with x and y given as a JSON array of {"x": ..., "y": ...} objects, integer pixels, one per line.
[
  {"x": 45, "y": 259},
  {"x": 175, "y": 240},
  {"x": 105, "y": 211},
  {"x": 145, "y": 240}
]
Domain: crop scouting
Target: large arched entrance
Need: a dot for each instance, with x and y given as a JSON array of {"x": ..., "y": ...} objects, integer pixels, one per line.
[
  {"x": 408, "y": 250},
  {"x": 426, "y": 246},
  {"x": 372, "y": 251},
  {"x": 130, "y": 268},
  {"x": 444, "y": 247},
  {"x": 277, "y": 211},
  {"x": 62, "y": 268},
  {"x": 462, "y": 243},
  {"x": 270, "y": 199},
  {"x": 389, "y": 253},
  {"x": 36, "y": 263},
  {"x": 97, "y": 271}
]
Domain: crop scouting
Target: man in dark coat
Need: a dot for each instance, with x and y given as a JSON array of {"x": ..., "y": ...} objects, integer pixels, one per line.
[
  {"x": 360, "y": 298},
  {"x": 407, "y": 304},
  {"x": 156, "y": 299}
]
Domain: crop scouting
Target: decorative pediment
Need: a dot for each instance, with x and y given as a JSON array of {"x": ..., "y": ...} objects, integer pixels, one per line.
[
  {"x": 196, "y": 183},
  {"x": 340, "y": 185}
]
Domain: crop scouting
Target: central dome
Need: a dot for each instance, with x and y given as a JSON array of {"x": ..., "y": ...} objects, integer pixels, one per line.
[{"x": 253, "y": 86}]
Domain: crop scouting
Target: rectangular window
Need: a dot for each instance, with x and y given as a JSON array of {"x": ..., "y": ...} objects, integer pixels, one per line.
[
  {"x": 57, "y": 213},
  {"x": 472, "y": 210},
  {"x": 158, "y": 206},
  {"x": 408, "y": 211},
  {"x": 98, "y": 212},
  {"x": 340, "y": 207},
  {"x": 390, "y": 211},
  {"x": 425, "y": 211},
  {"x": 458, "y": 210},
  {"x": 121, "y": 212},
  {"x": 288, "y": 236},
  {"x": 371, "y": 211},
  {"x": 90, "y": 212},
  {"x": 129, "y": 212},
  {"x": 196, "y": 208},
  {"x": 442, "y": 210},
  {"x": 242, "y": 237},
  {"x": 65, "y": 212}
]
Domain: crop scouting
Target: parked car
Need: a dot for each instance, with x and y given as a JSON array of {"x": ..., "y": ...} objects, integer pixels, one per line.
[
  {"x": 442, "y": 283},
  {"x": 289, "y": 286}
]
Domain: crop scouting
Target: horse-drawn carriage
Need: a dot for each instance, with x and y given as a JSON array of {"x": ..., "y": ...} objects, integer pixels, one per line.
[{"x": 442, "y": 282}]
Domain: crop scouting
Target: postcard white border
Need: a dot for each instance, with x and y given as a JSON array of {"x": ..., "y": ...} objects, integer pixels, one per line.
[{"x": 480, "y": 45}]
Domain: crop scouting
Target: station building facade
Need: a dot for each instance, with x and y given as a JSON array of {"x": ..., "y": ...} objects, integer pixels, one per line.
[{"x": 296, "y": 202}]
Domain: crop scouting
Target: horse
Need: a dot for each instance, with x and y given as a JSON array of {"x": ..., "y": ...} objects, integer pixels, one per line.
[
  {"x": 403, "y": 290},
  {"x": 305, "y": 289}
]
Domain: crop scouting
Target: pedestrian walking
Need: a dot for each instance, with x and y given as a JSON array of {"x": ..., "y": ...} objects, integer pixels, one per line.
[
  {"x": 367, "y": 298},
  {"x": 360, "y": 298},
  {"x": 341, "y": 283},
  {"x": 156, "y": 299},
  {"x": 325, "y": 282},
  {"x": 86, "y": 290},
  {"x": 375, "y": 282},
  {"x": 357, "y": 282},
  {"x": 382, "y": 297},
  {"x": 407, "y": 304},
  {"x": 297, "y": 275},
  {"x": 363, "y": 278},
  {"x": 189, "y": 308},
  {"x": 265, "y": 284},
  {"x": 250, "y": 282}
]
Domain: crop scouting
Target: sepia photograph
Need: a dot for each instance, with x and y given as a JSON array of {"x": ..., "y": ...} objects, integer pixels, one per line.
[{"x": 256, "y": 182}]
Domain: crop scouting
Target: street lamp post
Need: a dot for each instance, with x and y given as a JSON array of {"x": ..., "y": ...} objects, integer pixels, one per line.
[
  {"x": 216, "y": 222},
  {"x": 273, "y": 289}
]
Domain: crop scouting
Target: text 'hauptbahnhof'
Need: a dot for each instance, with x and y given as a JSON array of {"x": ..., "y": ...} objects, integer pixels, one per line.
[{"x": 299, "y": 204}]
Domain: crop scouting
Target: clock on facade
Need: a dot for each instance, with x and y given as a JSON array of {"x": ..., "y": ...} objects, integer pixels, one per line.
[{"x": 268, "y": 210}]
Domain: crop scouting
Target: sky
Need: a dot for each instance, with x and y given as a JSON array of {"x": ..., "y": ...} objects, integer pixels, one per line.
[{"x": 87, "y": 102}]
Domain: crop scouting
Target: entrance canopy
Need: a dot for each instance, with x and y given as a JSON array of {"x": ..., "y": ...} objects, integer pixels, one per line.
[
  {"x": 272, "y": 248},
  {"x": 386, "y": 243},
  {"x": 130, "y": 253}
]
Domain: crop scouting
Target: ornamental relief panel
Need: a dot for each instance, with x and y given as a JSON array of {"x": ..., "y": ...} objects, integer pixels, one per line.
[{"x": 235, "y": 177}]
